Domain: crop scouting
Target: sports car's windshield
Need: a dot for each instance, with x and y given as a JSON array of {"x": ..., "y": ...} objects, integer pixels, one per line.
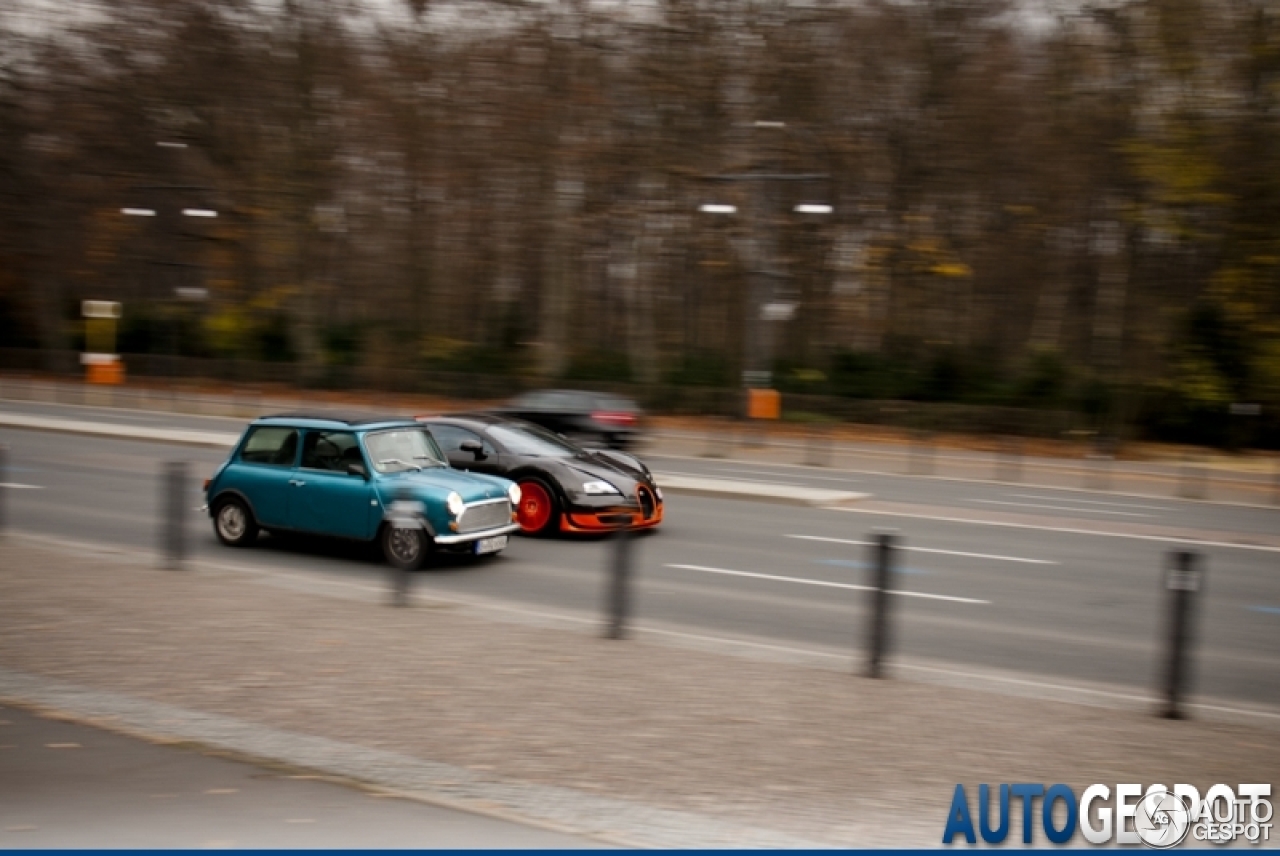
[
  {"x": 532, "y": 440},
  {"x": 400, "y": 449}
]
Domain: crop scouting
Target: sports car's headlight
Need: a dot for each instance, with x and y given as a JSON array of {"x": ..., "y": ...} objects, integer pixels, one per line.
[
  {"x": 596, "y": 488},
  {"x": 514, "y": 493},
  {"x": 455, "y": 504}
]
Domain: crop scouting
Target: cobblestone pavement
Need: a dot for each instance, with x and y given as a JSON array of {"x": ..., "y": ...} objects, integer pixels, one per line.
[{"x": 633, "y": 742}]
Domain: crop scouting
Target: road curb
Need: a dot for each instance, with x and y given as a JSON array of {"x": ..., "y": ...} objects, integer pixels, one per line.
[
  {"x": 759, "y": 491},
  {"x": 174, "y": 436}
]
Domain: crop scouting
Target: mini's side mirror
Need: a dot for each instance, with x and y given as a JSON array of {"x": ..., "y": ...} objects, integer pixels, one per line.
[
  {"x": 357, "y": 469},
  {"x": 474, "y": 448}
]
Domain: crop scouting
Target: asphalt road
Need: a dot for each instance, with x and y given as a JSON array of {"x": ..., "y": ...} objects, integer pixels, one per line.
[
  {"x": 64, "y": 785},
  {"x": 1054, "y": 602}
]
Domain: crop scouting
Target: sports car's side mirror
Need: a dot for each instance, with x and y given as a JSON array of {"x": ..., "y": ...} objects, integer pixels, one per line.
[
  {"x": 474, "y": 448},
  {"x": 357, "y": 469}
]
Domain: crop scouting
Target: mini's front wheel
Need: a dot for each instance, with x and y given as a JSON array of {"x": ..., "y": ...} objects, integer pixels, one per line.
[
  {"x": 405, "y": 547},
  {"x": 233, "y": 523}
]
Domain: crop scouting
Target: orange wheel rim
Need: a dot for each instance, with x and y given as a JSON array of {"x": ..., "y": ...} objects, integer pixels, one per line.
[{"x": 534, "y": 510}]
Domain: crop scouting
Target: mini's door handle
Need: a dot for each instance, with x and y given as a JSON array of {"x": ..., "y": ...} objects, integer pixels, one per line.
[{"x": 298, "y": 482}]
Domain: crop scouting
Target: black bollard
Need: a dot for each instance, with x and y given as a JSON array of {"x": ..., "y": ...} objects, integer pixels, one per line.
[
  {"x": 881, "y": 569},
  {"x": 719, "y": 436},
  {"x": 817, "y": 446},
  {"x": 1183, "y": 580},
  {"x": 920, "y": 454},
  {"x": 1009, "y": 459},
  {"x": 1193, "y": 483},
  {"x": 620, "y": 575},
  {"x": 173, "y": 493},
  {"x": 4, "y": 488},
  {"x": 402, "y": 517}
]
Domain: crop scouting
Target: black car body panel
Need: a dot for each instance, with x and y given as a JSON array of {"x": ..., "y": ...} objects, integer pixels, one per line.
[{"x": 534, "y": 457}]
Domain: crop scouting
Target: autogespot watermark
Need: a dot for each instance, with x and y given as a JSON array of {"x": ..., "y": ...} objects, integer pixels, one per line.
[{"x": 1126, "y": 814}]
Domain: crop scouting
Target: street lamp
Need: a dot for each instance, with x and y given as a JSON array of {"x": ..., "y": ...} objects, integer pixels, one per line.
[
  {"x": 764, "y": 302},
  {"x": 186, "y": 291}
]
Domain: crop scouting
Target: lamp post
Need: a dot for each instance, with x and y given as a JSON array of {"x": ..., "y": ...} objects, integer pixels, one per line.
[
  {"x": 765, "y": 303},
  {"x": 183, "y": 290}
]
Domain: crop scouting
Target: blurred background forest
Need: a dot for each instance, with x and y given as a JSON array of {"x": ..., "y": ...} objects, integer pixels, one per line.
[{"x": 1067, "y": 208}]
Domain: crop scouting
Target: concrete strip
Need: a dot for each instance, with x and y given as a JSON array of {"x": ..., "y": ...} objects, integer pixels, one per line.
[
  {"x": 175, "y": 436},
  {"x": 608, "y": 819},
  {"x": 760, "y": 491}
]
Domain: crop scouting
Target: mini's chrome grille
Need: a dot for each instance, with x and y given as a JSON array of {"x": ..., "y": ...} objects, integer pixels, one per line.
[{"x": 485, "y": 515}]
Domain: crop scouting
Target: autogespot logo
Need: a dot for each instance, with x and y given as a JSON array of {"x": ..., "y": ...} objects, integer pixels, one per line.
[
  {"x": 1162, "y": 819},
  {"x": 1157, "y": 817}
]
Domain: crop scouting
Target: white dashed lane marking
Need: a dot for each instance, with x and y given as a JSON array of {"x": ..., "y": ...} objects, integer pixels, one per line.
[
  {"x": 1090, "y": 501},
  {"x": 824, "y": 583},
  {"x": 1062, "y": 508},
  {"x": 912, "y": 549}
]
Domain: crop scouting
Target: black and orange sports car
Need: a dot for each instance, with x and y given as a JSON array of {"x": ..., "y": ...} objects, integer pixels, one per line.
[{"x": 563, "y": 487}]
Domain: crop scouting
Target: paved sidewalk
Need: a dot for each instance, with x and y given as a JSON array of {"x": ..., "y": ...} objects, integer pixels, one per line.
[
  {"x": 631, "y": 742},
  {"x": 68, "y": 785}
]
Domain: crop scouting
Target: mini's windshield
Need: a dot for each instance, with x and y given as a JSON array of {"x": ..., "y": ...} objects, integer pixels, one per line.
[
  {"x": 398, "y": 449},
  {"x": 532, "y": 440}
]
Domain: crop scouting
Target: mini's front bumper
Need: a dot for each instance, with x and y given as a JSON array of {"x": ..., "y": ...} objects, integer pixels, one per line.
[{"x": 466, "y": 537}]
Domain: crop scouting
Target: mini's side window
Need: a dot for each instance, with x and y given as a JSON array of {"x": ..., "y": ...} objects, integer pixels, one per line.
[
  {"x": 330, "y": 450},
  {"x": 271, "y": 445}
]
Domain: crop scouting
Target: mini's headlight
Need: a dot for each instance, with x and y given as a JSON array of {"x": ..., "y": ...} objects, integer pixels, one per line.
[
  {"x": 598, "y": 487},
  {"x": 455, "y": 504},
  {"x": 514, "y": 493}
]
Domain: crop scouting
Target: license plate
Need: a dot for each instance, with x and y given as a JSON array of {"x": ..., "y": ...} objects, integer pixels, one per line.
[{"x": 491, "y": 545}]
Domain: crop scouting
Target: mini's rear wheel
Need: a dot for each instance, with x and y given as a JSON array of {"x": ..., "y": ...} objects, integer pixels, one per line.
[
  {"x": 405, "y": 547},
  {"x": 233, "y": 523}
]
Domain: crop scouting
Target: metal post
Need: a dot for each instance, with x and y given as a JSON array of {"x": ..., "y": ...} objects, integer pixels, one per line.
[
  {"x": 619, "y": 578},
  {"x": 817, "y": 447},
  {"x": 1275, "y": 480},
  {"x": 1099, "y": 473},
  {"x": 1010, "y": 459},
  {"x": 920, "y": 454},
  {"x": 172, "y": 499},
  {"x": 718, "y": 437},
  {"x": 881, "y": 569},
  {"x": 4, "y": 488},
  {"x": 1192, "y": 483},
  {"x": 1183, "y": 580},
  {"x": 400, "y": 573}
]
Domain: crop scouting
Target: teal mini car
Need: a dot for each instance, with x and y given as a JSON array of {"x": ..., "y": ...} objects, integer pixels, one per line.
[{"x": 357, "y": 477}]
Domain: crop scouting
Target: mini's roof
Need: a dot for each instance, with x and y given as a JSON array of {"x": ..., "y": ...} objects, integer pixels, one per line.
[{"x": 352, "y": 420}]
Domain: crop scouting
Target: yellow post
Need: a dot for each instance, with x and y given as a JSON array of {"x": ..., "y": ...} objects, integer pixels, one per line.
[{"x": 102, "y": 363}]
